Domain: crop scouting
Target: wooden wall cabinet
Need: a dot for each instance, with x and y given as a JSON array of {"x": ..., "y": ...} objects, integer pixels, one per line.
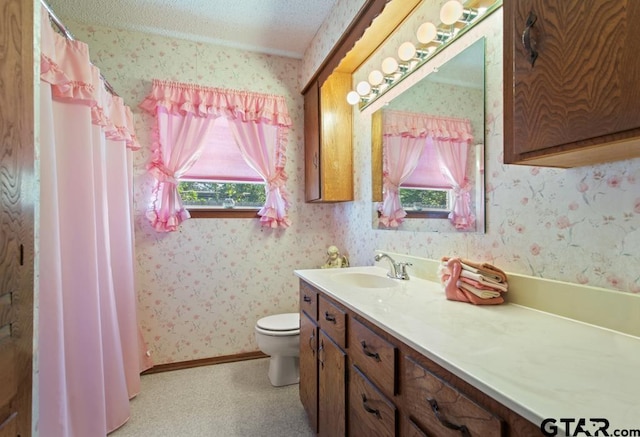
[
  {"x": 571, "y": 88},
  {"x": 369, "y": 383},
  {"x": 327, "y": 141}
]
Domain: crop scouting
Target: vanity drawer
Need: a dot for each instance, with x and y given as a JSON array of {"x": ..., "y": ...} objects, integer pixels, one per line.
[
  {"x": 370, "y": 412},
  {"x": 309, "y": 300},
  {"x": 437, "y": 407},
  {"x": 333, "y": 321},
  {"x": 375, "y": 356}
]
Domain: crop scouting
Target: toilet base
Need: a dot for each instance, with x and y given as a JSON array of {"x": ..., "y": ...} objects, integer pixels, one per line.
[{"x": 284, "y": 370}]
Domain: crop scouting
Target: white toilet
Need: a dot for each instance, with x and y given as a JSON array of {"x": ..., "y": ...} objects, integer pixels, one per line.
[{"x": 279, "y": 337}]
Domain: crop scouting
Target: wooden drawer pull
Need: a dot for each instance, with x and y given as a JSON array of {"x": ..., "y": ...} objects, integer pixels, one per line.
[
  {"x": 526, "y": 38},
  {"x": 307, "y": 299},
  {"x": 436, "y": 410},
  {"x": 368, "y": 409},
  {"x": 321, "y": 350},
  {"x": 312, "y": 346},
  {"x": 367, "y": 352},
  {"x": 329, "y": 317}
]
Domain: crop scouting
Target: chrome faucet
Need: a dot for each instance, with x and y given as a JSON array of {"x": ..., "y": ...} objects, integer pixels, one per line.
[{"x": 398, "y": 269}]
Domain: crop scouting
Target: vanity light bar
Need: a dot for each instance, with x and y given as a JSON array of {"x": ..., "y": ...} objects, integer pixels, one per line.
[{"x": 431, "y": 39}]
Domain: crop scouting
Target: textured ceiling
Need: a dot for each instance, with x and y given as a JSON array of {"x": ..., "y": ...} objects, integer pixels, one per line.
[{"x": 279, "y": 27}]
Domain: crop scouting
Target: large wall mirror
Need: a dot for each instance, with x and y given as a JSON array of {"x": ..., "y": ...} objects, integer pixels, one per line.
[{"x": 428, "y": 150}]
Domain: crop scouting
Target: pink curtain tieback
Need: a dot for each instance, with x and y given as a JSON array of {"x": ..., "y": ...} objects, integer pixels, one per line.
[
  {"x": 278, "y": 180},
  {"x": 162, "y": 173},
  {"x": 391, "y": 186}
]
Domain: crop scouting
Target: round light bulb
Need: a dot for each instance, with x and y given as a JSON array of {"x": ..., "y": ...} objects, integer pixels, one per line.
[
  {"x": 353, "y": 97},
  {"x": 406, "y": 51},
  {"x": 451, "y": 11},
  {"x": 426, "y": 33},
  {"x": 389, "y": 65},
  {"x": 376, "y": 77},
  {"x": 363, "y": 88}
]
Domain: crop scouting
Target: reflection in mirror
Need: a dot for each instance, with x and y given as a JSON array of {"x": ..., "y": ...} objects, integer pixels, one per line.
[{"x": 428, "y": 151}]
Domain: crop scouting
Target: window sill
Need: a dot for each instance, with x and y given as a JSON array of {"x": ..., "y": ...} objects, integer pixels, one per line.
[
  {"x": 223, "y": 213},
  {"x": 427, "y": 214}
]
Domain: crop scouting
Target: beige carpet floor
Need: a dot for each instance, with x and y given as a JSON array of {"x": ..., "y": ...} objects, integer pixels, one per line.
[{"x": 226, "y": 400}]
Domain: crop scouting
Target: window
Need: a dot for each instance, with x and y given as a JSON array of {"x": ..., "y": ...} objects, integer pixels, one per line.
[
  {"x": 220, "y": 177},
  {"x": 425, "y": 199},
  {"x": 216, "y": 194}
]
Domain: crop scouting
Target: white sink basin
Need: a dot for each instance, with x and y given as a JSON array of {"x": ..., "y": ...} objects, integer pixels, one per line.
[{"x": 365, "y": 280}]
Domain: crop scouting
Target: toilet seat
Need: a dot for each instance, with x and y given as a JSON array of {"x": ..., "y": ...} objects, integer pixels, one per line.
[{"x": 279, "y": 325}]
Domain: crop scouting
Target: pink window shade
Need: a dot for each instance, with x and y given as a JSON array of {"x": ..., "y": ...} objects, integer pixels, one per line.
[
  {"x": 427, "y": 173},
  {"x": 221, "y": 159}
]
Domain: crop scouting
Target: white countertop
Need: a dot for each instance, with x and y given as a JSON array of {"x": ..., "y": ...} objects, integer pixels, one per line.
[{"x": 538, "y": 364}]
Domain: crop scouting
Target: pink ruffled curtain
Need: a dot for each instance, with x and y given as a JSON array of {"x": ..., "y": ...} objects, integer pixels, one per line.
[
  {"x": 261, "y": 147},
  {"x": 90, "y": 348},
  {"x": 401, "y": 155},
  {"x": 452, "y": 155},
  {"x": 260, "y": 124},
  {"x": 451, "y": 138}
]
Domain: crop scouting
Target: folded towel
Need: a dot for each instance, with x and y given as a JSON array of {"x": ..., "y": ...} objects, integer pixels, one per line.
[
  {"x": 488, "y": 270},
  {"x": 481, "y": 281},
  {"x": 485, "y": 269},
  {"x": 453, "y": 292},
  {"x": 482, "y": 294}
]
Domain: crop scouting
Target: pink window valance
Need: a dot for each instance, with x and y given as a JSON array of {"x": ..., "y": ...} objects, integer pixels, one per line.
[
  {"x": 203, "y": 101},
  {"x": 66, "y": 66},
  {"x": 416, "y": 125}
]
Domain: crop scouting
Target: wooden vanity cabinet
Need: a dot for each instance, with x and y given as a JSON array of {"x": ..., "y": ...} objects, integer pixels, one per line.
[
  {"x": 384, "y": 387},
  {"x": 327, "y": 140},
  {"x": 571, "y": 88}
]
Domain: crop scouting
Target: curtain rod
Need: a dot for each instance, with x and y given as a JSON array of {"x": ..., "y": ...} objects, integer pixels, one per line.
[{"x": 68, "y": 35}]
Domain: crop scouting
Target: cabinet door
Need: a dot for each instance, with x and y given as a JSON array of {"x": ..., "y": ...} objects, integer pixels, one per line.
[
  {"x": 332, "y": 388},
  {"x": 17, "y": 193},
  {"x": 580, "y": 96},
  {"x": 312, "y": 143},
  {"x": 309, "y": 369}
]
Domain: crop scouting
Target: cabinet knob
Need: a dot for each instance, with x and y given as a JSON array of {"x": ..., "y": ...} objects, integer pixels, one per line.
[
  {"x": 526, "y": 38},
  {"x": 436, "y": 410},
  {"x": 307, "y": 299}
]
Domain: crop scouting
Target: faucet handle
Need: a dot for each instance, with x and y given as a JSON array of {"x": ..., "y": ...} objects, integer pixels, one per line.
[{"x": 402, "y": 270}]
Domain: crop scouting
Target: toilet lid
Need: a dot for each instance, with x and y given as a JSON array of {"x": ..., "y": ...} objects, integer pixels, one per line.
[{"x": 280, "y": 322}]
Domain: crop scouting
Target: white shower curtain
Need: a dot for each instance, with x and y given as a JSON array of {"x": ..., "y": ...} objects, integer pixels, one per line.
[{"x": 90, "y": 354}]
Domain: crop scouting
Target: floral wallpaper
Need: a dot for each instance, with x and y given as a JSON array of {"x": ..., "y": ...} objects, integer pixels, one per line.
[{"x": 202, "y": 289}]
